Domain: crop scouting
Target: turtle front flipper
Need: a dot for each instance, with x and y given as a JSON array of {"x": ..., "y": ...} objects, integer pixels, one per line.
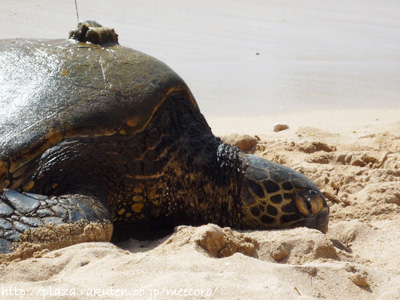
[{"x": 32, "y": 222}]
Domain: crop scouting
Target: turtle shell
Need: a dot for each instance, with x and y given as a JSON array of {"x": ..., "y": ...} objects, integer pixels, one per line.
[{"x": 51, "y": 90}]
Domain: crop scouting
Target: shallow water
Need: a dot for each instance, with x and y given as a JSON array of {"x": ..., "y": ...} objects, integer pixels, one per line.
[{"x": 247, "y": 58}]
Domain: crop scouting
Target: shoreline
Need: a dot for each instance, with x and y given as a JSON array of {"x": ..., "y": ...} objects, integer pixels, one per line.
[
  {"x": 246, "y": 59},
  {"x": 347, "y": 122},
  {"x": 320, "y": 68}
]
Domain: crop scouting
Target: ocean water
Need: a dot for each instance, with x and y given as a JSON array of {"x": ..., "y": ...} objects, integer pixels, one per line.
[{"x": 247, "y": 57}]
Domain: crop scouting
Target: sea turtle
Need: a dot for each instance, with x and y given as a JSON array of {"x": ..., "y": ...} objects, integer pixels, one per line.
[{"x": 94, "y": 134}]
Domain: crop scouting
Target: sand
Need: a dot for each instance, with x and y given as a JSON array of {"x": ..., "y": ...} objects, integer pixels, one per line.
[
  {"x": 330, "y": 71},
  {"x": 358, "y": 173}
]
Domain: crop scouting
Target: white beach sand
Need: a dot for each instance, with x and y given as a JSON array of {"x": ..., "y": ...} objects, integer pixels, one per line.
[{"x": 330, "y": 70}]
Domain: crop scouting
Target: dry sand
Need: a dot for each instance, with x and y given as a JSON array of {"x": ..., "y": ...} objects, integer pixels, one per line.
[
  {"x": 331, "y": 71},
  {"x": 357, "y": 170}
]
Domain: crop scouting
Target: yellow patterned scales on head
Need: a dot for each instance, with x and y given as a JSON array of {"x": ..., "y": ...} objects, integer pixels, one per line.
[{"x": 96, "y": 134}]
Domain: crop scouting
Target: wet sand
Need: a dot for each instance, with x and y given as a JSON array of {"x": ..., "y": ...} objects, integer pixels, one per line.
[
  {"x": 258, "y": 57},
  {"x": 331, "y": 72}
]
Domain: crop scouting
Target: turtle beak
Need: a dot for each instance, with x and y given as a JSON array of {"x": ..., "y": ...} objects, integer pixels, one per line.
[{"x": 320, "y": 221}]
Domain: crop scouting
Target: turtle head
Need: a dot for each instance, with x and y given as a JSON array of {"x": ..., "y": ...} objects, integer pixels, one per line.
[{"x": 275, "y": 196}]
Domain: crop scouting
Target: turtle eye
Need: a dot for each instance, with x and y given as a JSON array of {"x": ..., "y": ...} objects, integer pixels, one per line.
[
  {"x": 309, "y": 202},
  {"x": 316, "y": 205},
  {"x": 303, "y": 206}
]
